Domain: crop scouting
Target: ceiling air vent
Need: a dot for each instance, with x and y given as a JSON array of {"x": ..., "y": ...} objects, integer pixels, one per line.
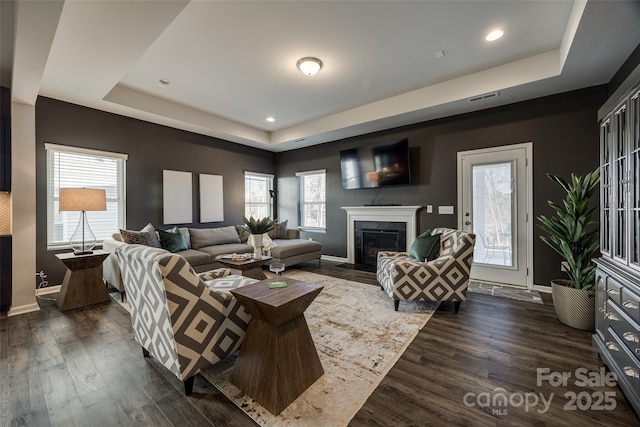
[{"x": 484, "y": 96}]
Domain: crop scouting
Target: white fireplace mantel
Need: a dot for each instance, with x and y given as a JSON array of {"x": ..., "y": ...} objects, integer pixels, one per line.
[{"x": 406, "y": 214}]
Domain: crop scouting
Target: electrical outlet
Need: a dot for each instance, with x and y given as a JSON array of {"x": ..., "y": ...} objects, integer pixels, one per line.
[
  {"x": 429, "y": 208},
  {"x": 445, "y": 210}
]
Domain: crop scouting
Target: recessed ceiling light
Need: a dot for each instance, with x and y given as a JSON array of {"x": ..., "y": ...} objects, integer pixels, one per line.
[
  {"x": 163, "y": 82},
  {"x": 309, "y": 66},
  {"x": 494, "y": 35},
  {"x": 270, "y": 119}
]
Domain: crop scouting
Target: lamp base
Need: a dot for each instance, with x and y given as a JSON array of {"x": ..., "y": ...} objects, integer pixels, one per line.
[{"x": 82, "y": 252}]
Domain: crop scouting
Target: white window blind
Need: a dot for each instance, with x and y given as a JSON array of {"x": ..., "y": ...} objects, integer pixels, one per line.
[
  {"x": 312, "y": 213},
  {"x": 75, "y": 168},
  {"x": 257, "y": 198}
]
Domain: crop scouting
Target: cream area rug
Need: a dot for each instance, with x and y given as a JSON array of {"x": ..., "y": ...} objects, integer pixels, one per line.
[{"x": 358, "y": 336}]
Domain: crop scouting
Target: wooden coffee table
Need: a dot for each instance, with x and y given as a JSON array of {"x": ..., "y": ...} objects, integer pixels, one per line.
[
  {"x": 250, "y": 268},
  {"x": 278, "y": 360}
]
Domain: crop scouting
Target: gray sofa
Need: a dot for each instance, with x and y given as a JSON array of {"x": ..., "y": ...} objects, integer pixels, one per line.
[{"x": 205, "y": 244}]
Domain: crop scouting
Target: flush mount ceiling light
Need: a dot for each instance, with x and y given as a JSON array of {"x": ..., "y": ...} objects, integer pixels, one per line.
[
  {"x": 309, "y": 66},
  {"x": 494, "y": 35},
  {"x": 270, "y": 119}
]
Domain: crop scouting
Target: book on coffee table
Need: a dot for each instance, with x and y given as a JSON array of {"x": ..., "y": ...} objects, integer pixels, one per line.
[{"x": 282, "y": 284}]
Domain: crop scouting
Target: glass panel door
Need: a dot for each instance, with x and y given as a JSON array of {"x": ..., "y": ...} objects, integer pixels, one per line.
[
  {"x": 633, "y": 186},
  {"x": 621, "y": 177},
  {"x": 605, "y": 188},
  {"x": 493, "y": 207}
]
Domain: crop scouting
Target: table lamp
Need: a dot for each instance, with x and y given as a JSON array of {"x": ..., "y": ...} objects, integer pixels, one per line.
[{"x": 82, "y": 199}]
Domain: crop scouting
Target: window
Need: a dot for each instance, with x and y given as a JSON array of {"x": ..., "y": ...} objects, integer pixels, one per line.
[
  {"x": 257, "y": 195},
  {"x": 312, "y": 192},
  {"x": 79, "y": 167}
]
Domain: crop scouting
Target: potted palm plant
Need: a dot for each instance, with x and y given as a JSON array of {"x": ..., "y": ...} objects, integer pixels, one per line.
[
  {"x": 574, "y": 235},
  {"x": 257, "y": 228}
]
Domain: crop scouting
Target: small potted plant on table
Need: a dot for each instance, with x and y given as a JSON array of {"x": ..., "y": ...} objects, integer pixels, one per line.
[
  {"x": 573, "y": 234},
  {"x": 257, "y": 228}
]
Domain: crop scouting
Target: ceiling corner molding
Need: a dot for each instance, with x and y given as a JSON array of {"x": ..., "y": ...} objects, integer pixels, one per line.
[
  {"x": 35, "y": 29},
  {"x": 572, "y": 27},
  {"x": 186, "y": 118},
  {"x": 531, "y": 69}
]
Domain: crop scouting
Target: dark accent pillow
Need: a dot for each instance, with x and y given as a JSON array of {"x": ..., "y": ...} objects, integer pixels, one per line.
[
  {"x": 137, "y": 237},
  {"x": 149, "y": 228},
  {"x": 425, "y": 247},
  {"x": 242, "y": 233},
  {"x": 280, "y": 231},
  {"x": 172, "y": 240}
]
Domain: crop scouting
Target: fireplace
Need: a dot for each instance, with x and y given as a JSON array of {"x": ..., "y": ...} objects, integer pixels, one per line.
[
  {"x": 374, "y": 236},
  {"x": 404, "y": 215}
]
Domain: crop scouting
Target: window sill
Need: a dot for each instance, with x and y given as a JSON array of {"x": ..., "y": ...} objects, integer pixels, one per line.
[{"x": 313, "y": 230}]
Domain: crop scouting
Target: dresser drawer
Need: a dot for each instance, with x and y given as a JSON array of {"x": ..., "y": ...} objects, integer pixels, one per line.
[
  {"x": 630, "y": 302},
  {"x": 625, "y": 328},
  {"x": 614, "y": 289},
  {"x": 626, "y": 363}
]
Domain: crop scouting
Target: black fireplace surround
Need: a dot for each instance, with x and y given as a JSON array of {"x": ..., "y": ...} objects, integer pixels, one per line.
[{"x": 374, "y": 236}]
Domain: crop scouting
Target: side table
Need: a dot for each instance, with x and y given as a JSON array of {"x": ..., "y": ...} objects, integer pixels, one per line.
[
  {"x": 82, "y": 284},
  {"x": 278, "y": 359}
]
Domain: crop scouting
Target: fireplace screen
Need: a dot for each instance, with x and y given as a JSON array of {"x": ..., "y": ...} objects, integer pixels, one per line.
[{"x": 372, "y": 237}]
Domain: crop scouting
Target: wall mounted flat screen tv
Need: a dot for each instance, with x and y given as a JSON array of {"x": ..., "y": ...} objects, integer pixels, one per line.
[{"x": 375, "y": 165}]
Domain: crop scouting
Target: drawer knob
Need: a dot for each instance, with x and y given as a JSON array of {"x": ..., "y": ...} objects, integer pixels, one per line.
[
  {"x": 630, "y": 336},
  {"x": 614, "y": 347},
  {"x": 613, "y": 291},
  {"x": 630, "y": 304},
  {"x": 611, "y": 316},
  {"x": 637, "y": 351},
  {"x": 630, "y": 372}
]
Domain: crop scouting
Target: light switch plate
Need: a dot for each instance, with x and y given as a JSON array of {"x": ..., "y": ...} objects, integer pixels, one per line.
[
  {"x": 429, "y": 208},
  {"x": 445, "y": 210}
]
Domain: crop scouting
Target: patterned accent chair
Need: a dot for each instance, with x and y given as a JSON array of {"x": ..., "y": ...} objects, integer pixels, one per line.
[
  {"x": 444, "y": 279},
  {"x": 187, "y": 321}
]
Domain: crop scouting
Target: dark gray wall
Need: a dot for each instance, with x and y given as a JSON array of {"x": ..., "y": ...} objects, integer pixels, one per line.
[
  {"x": 563, "y": 129},
  {"x": 151, "y": 149}
]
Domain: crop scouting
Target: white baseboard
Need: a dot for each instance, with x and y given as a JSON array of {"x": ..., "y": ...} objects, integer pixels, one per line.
[
  {"x": 22, "y": 309},
  {"x": 542, "y": 288},
  {"x": 48, "y": 290},
  {"x": 333, "y": 258}
]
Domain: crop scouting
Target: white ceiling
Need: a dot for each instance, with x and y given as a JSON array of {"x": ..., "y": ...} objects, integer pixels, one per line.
[{"x": 232, "y": 63}]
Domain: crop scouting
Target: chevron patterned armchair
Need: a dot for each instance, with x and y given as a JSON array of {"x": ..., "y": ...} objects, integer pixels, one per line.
[
  {"x": 185, "y": 320},
  {"x": 444, "y": 279}
]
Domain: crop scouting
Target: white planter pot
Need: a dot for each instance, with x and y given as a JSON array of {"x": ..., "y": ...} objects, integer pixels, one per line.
[
  {"x": 256, "y": 242},
  {"x": 574, "y": 307}
]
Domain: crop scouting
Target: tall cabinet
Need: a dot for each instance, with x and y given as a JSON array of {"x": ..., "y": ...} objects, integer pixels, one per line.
[{"x": 617, "y": 337}]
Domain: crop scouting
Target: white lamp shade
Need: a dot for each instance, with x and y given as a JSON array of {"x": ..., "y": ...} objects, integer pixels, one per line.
[{"x": 83, "y": 199}]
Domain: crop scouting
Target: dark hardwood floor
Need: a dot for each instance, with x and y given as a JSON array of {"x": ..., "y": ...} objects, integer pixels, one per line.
[{"x": 84, "y": 368}]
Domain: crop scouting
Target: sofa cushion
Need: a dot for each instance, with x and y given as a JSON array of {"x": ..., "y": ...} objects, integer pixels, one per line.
[
  {"x": 195, "y": 258},
  {"x": 289, "y": 248},
  {"x": 172, "y": 240},
  {"x": 139, "y": 238},
  {"x": 280, "y": 230},
  {"x": 203, "y": 237},
  {"x": 425, "y": 247},
  {"x": 228, "y": 248},
  {"x": 185, "y": 235},
  {"x": 243, "y": 233}
]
